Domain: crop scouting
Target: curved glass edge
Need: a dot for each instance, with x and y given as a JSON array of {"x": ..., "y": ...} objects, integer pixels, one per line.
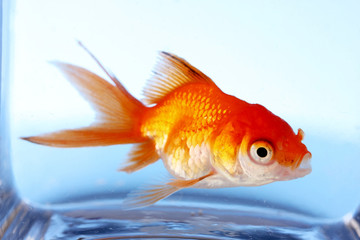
[
  {"x": 18, "y": 220},
  {"x": 352, "y": 221},
  {"x": 5, "y": 149},
  {"x": 8, "y": 198}
]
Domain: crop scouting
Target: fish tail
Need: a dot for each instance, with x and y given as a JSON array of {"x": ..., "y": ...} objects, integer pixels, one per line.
[{"x": 118, "y": 113}]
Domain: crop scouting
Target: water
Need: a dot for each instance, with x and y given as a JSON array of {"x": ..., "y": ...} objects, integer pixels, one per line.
[
  {"x": 179, "y": 220},
  {"x": 251, "y": 50}
]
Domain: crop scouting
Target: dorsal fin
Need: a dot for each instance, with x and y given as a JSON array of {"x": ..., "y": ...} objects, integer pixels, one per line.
[{"x": 170, "y": 73}]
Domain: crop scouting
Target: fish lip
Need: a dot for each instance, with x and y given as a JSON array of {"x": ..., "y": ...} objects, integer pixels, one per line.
[
  {"x": 305, "y": 164},
  {"x": 300, "y": 169}
]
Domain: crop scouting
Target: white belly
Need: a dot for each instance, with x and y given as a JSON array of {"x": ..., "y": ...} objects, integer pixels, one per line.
[{"x": 188, "y": 162}]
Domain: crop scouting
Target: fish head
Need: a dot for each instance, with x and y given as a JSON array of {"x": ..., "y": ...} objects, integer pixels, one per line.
[{"x": 271, "y": 151}]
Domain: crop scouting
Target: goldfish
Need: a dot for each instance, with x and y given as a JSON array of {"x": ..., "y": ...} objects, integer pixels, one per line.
[{"x": 205, "y": 137}]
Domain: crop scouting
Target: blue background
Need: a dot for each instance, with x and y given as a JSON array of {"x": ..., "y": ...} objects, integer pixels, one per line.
[{"x": 300, "y": 59}]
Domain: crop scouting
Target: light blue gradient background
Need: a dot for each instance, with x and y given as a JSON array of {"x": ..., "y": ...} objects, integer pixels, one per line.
[{"x": 300, "y": 59}]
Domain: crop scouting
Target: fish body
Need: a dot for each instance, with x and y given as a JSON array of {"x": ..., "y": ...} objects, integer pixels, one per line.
[
  {"x": 205, "y": 137},
  {"x": 183, "y": 126}
]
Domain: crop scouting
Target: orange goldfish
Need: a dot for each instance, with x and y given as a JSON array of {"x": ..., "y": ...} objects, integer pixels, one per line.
[{"x": 205, "y": 137}]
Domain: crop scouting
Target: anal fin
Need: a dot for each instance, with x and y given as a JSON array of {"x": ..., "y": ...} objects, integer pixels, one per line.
[{"x": 142, "y": 155}]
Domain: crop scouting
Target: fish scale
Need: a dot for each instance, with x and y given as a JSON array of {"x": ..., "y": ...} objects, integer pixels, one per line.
[{"x": 192, "y": 120}]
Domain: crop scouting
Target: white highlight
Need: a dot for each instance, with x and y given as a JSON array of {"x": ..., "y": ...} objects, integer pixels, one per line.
[{"x": 350, "y": 222}]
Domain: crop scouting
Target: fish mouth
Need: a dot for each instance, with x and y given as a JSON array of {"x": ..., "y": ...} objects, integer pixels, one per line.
[
  {"x": 303, "y": 165},
  {"x": 302, "y": 162},
  {"x": 300, "y": 169}
]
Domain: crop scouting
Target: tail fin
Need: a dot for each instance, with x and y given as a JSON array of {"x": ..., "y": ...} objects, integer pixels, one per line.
[{"x": 118, "y": 113}]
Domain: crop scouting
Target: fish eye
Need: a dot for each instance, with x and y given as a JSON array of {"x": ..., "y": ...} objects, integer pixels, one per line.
[{"x": 261, "y": 152}]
